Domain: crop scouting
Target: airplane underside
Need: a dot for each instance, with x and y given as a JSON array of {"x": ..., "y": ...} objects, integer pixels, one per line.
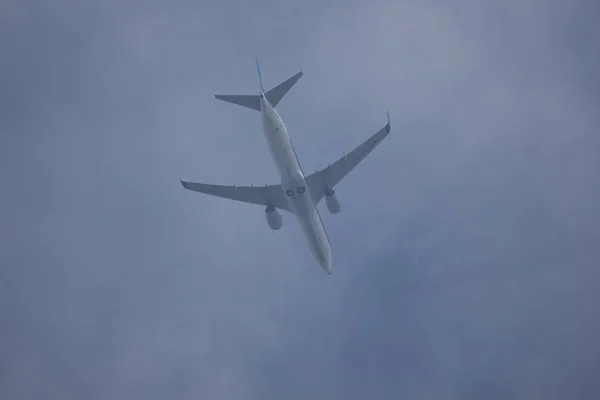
[{"x": 298, "y": 194}]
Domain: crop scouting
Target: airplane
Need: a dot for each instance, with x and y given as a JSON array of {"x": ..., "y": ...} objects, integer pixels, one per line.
[{"x": 298, "y": 193}]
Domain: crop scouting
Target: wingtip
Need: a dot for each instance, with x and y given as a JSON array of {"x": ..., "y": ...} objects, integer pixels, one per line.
[{"x": 388, "y": 125}]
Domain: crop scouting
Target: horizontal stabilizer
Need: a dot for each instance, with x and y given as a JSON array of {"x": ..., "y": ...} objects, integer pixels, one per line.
[
  {"x": 253, "y": 101},
  {"x": 276, "y": 94},
  {"x": 246, "y": 100}
]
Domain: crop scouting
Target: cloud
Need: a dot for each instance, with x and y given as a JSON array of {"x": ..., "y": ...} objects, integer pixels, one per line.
[{"x": 464, "y": 258}]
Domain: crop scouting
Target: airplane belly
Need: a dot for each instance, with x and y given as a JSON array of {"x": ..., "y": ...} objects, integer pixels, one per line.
[
  {"x": 296, "y": 190},
  {"x": 317, "y": 238},
  {"x": 297, "y": 193},
  {"x": 281, "y": 155},
  {"x": 292, "y": 179}
]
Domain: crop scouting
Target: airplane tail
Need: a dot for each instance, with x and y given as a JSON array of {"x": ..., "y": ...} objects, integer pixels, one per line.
[{"x": 253, "y": 101}]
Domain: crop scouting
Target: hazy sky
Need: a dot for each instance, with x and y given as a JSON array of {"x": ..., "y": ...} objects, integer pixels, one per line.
[{"x": 466, "y": 256}]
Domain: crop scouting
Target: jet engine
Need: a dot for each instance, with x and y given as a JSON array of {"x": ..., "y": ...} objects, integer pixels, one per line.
[
  {"x": 333, "y": 203},
  {"x": 274, "y": 218}
]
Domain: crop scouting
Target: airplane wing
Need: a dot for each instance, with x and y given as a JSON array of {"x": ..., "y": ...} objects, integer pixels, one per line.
[
  {"x": 261, "y": 195},
  {"x": 322, "y": 181}
]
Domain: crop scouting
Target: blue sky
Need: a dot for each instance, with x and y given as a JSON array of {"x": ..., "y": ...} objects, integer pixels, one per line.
[{"x": 466, "y": 255}]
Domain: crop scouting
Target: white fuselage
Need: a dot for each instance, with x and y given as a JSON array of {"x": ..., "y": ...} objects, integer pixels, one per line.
[{"x": 294, "y": 185}]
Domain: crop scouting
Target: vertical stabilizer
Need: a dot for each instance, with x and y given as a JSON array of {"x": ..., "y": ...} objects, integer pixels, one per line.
[{"x": 262, "y": 89}]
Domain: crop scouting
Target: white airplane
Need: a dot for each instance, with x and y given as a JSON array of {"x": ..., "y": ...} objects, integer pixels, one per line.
[{"x": 297, "y": 193}]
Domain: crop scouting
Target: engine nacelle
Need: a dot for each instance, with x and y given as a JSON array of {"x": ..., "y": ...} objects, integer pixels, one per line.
[
  {"x": 333, "y": 203},
  {"x": 274, "y": 218}
]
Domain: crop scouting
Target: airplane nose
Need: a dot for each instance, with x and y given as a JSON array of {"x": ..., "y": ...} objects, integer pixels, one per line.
[{"x": 326, "y": 264}]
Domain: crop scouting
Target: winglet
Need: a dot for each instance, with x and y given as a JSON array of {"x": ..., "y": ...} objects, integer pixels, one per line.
[
  {"x": 388, "y": 127},
  {"x": 262, "y": 89}
]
